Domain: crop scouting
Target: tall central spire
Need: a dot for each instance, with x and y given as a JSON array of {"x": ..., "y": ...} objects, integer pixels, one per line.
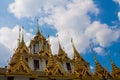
[
  {"x": 22, "y": 34},
  {"x": 19, "y": 36},
  {"x": 38, "y": 31}
]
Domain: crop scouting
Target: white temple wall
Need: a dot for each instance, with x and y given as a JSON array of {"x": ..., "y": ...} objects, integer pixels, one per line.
[
  {"x": 64, "y": 67},
  {"x": 30, "y": 63},
  {"x": 43, "y": 64}
]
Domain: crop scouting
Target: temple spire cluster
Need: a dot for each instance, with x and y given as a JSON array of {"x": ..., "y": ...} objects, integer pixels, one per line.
[{"x": 37, "y": 62}]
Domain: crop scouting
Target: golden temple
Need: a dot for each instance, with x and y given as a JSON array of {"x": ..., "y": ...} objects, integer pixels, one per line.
[{"x": 37, "y": 62}]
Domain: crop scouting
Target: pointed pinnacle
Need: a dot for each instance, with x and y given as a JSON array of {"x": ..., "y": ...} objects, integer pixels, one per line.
[
  {"x": 59, "y": 42},
  {"x": 22, "y": 34}
]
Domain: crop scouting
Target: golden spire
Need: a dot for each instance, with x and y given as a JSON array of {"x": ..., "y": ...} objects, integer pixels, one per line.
[
  {"x": 38, "y": 31},
  {"x": 111, "y": 61},
  {"x": 115, "y": 69},
  {"x": 19, "y": 36},
  {"x": 22, "y": 34},
  {"x": 76, "y": 54},
  {"x": 62, "y": 55},
  {"x": 98, "y": 66},
  {"x": 60, "y": 48},
  {"x": 99, "y": 70}
]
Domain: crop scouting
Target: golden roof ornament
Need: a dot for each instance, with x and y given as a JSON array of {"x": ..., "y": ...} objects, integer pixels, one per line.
[
  {"x": 80, "y": 70},
  {"x": 62, "y": 56},
  {"x": 53, "y": 67},
  {"x": 38, "y": 31},
  {"x": 19, "y": 36},
  {"x": 76, "y": 54},
  {"x": 115, "y": 70},
  {"x": 100, "y": 72},
  {"x": 18, "y": 64}
]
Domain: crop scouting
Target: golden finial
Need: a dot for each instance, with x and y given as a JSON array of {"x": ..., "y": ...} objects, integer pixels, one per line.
[
  {"x": 76, "y": 54},
  {"x": 22, "y": 34},
  {"x": 59, "y": 41},
  {"x": 73, "y": 44},
  {"x": 38, "y": 31},
  {"x": 19, "y": 36}
]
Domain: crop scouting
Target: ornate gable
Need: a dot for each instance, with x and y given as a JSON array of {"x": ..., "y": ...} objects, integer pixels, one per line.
[
  {"x": 18, "y": 64},
  {"x": 54, "y": 68},
  {"x": 21, "y": 50},
  {"x": 80, "y": 70},
  {"x": 21, "y": 67}
]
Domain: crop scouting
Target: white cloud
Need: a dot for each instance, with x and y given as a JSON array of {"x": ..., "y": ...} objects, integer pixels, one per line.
[
  {"x": 91, "y": 67},
  {"x": 9, "y": 37},
  {"x": 31, "y": 8},
  {"x": 4, "y": 55},
  {"x": 102, "y": 34},
  {"x": 100, "y": 51},
  {"x": 70, "y": 19},
  {"x": 119, "y": 15},
  {"x": 118, "y": 1}
]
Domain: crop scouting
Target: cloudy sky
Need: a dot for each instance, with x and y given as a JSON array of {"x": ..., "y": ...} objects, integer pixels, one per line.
[{"x": 86, "y": 21}]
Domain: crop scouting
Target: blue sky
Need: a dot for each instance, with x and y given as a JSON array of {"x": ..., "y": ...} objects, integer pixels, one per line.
[{"x": 86, "y": 21}]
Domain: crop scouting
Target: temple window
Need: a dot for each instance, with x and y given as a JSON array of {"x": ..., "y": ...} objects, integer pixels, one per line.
[
  {"x": 46, "y": 62},
  {"x": 36, "y": 64},
  {"x": 26, "y": 59},
  {"x": 68, "y": 67}
]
